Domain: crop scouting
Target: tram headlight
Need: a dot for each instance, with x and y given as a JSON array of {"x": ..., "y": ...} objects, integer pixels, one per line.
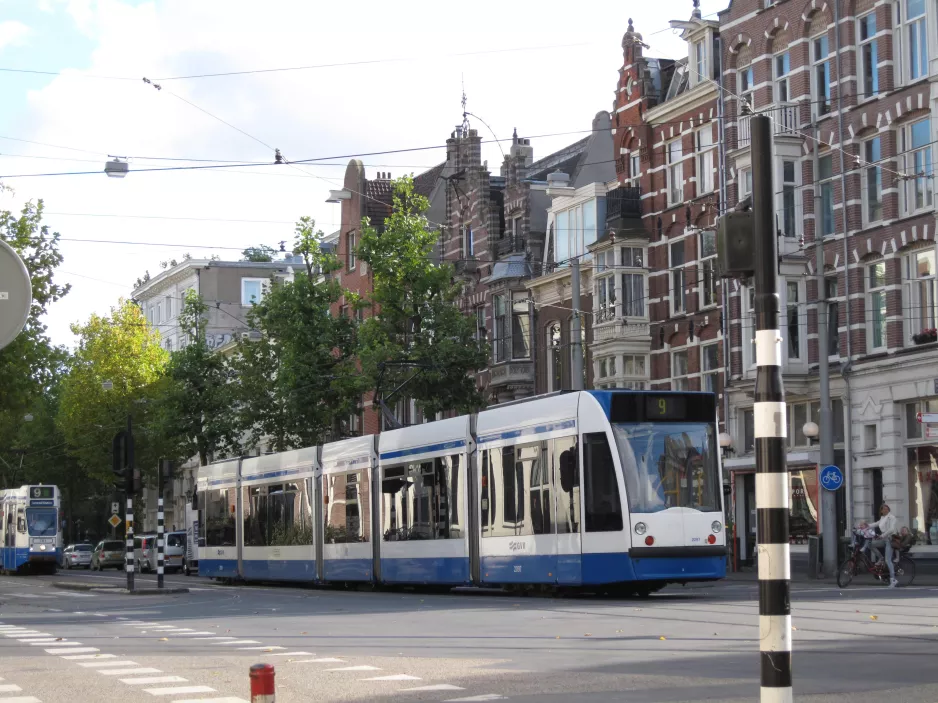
[
  {"x": 640, "y": 528},
  {"x": 716, "y": 526},
  {"x": 42, "y": 547}
]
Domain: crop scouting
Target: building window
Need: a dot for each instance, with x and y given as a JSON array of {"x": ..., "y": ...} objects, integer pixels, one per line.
[
  {"x": 675, "y": 172},
  {"x": 709, "y": 276},
  {"x": 480, "y": 322},
  {"x": 252, "y": 290},
  {"x": 873, "y": 181},
  {"x": 679, "y": 370},
  {"x": 746, "y": 84},
  {"x": 635, "y": 170},
  {"x": 913, "y": 428},
  {"x": 793, "y": 320},
  {"x": 826, "y": 178},
  {"x": 869, "y": 55},
  {"x": 158, "y": 314},
  {"x": 833, "y": 317},
  {"x": 468, "y": 245},
  {"x": 634, "y": 371},
  {"x": 168, "y": 345},
  {"x": 501, "y": 338},
  {"x": 168, "y": 307},
  {"x": 700, "y": 53},
  {"x": 748, "y": 431},
  {"x": 554, "y": 357},
  {"x": 820, "y": 55},
  {"x": 710, "y": 362},
  {"x": 749, "y": 323},
  {"x": 705, "y": 152},
  {"x": 677, "y": 294},
  {"x": 870, "y": 438},
  {"x": 516, "y": 228},
  {"x": 916, "y": 149},
  {"x": 350, "y": 248},
  {"x": 782, "y": 69},
  {"x": 912, "y": 38},
  {"x": 745, "y": 182},
  {"x": 520, "y": 326},
  {"x": 574, "y": 231},
  {"x": 633, "y": 282},
  {"x": 920, "y": 290},
  {"x": 605, "y": 298},
  {"x": 876, "y": 305},
  {"x": 789, "y": 188}
]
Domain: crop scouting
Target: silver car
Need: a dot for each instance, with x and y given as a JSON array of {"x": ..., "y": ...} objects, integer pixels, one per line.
[{"x": 78, "y": 556}]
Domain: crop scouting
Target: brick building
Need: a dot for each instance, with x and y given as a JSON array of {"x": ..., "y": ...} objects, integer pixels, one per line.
[
  {"x": 664, "y": 299},
  {"x": 848, "y": 86}
]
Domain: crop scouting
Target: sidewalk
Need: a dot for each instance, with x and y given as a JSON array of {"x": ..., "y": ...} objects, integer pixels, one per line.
[{"x": 926, "y": 572}]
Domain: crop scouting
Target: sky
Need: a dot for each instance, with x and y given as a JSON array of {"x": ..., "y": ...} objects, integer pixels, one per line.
[{"x": 545, "y": 68}]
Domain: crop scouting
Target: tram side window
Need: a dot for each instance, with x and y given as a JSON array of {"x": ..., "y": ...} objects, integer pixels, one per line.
[
  {"x": 20, "y": 522},
  {"x": 278, "y": 515},
  {"x": 418, "y": 500},
  {"x": 535, "y": 463},
  {"x": 507, "y": 474},
  {"x": 566, "y": 468},
  {"x": 347, "y": 517},
  {"x": 219, "y": 517},
  {"x": 254, "y": 507},
  {"x": 603, "y": 506}
]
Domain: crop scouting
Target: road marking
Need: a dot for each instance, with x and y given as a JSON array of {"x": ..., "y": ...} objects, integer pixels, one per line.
[
  {"x": 293, "y": 654},
  {"x": 436, "y": 687},
  {"x": 213, "y": 638},
  {"x": 127, "y": 672},
  {"x": 394, "y": 677},
  {"x": 173, "y": 690},
  {"x": 363, "y": 667},
  {"x": 22, "y": 699},
  {"x": 264, "y": 647},
  {"x": 28, "y": 595},
  {"x": 320, "y": 661},
  {"x": 107, "y": 663},
  {"x": 91, "y": 656},
  {"x": 50, "y": 638},
  {"x": 483, "y": 697},
  {"x": 212, "y": 700},
  {"x": 27, "y": 632},
  {"x": 241, "y": 642},
  {"x": 157, "y": 627},
  {"x": 58, "y": 643},
  {"x": 189, "y": 634},
  {"x": 72, "y": 650},
  {"x": 149, "y": 680},
  {"x": 9, "y": 688}
]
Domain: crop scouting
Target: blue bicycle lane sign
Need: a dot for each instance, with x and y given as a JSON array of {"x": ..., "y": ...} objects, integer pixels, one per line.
[{"x": 831, "y": 478}]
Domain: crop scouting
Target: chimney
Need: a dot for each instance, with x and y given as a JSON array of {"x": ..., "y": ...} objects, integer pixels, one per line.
[{"x": 521, "y": 149}]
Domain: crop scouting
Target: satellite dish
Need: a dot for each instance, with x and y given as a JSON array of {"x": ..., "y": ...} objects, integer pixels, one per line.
[{"x": 16, "y": 294}]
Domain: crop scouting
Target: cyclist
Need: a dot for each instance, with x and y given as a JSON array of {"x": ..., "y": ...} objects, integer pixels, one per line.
[{"x": 887, "y": 528}]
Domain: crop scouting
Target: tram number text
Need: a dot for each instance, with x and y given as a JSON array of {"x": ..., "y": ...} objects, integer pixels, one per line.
[
  {"x": 695, "y": 539},
  {"x": 517, "y": 569},
  {"x": 516, "y": 546}
]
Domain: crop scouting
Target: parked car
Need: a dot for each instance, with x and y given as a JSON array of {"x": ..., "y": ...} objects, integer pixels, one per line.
[
  {"x": 77, "y": 556},
  {"x": 145, "y": 553},
  {"x": 108, "y": 553},
  {"x": 174, "y": 554}
]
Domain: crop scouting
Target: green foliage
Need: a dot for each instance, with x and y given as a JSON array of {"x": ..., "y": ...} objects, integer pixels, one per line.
[
  {"x": 119, "y": 348},
  {"x": 419, "y": 320},
  {"x": 301, "y": 375},
  {"x": 195, "y": 398},
  {"x": 259, "y": 253}
]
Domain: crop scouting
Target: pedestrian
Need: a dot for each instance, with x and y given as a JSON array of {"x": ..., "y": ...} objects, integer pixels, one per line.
[{"x": 887, "y": 528}]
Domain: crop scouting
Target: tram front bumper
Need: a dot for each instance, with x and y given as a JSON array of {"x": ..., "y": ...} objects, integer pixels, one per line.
[{"x": 40, "y": 555}]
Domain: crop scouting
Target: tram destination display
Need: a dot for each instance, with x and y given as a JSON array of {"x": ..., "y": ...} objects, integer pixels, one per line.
[{"x": 663, "y": 407}]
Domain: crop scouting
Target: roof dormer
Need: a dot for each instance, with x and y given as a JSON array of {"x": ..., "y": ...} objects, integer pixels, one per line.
[{"x": 702, "y": 53}]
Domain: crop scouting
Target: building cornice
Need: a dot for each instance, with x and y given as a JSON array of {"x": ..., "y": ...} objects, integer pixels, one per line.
[{"x": 675, "y": 107}]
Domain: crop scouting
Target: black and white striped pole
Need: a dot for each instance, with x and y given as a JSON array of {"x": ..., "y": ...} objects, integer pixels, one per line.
[
  {"x": 129, "y": 492},
  {"x": 772, "y": 486},
  {"x": 160, "y": 531}
]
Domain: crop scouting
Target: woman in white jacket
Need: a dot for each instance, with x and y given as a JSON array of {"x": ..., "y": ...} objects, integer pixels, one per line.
[{"x": 887, "y": 527}]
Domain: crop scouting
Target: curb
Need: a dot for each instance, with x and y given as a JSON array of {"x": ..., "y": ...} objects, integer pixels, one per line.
[{"x": 120, "y": 589}]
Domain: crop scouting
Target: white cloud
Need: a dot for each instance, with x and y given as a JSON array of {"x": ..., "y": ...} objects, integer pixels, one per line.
[
  {"x": 13, "y": 33},
  {"x": 314, "y": 113}
]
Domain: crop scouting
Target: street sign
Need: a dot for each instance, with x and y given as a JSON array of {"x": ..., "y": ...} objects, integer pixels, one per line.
[
  {"x": 831, "y": 478},
  {"x": 115, "y": 508},
  {"x": 115, "y": 521},
  {"x": 927, "y": 417},
  {"x": 16, "y": 294}
]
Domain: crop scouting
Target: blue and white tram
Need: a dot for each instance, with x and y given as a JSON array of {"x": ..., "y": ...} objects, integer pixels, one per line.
[
  {"x": 596, "y": 489},
  {"x": 30, "y": 532}
]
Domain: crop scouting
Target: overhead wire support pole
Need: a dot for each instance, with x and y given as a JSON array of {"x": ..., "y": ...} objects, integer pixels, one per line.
[
  {"x": 576, "y": 328},
  {"x": 772, "y": 484}
]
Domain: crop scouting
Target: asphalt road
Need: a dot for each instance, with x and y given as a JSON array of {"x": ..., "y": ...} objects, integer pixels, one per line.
[{"x": 865, "y": 643}]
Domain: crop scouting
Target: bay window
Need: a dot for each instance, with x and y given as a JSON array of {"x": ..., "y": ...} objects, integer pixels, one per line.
[
  {"x": 869, "y": 55},
  {"x": 520, "y": 326},
  {"x": 916, "y": 149},
  {"x": 501, "y": 338},
  {"x": 574, "y": 231},
  {"x": 605, "y": 298},
  {"x": 920, "y": 290},
  {"x": 876, "y": 305},
  {"x": 675, "y": 172},
  {"x": 633, "y": 282},
  {"x": 872, "y": 181},
  {"x": 635, "y": 371}
]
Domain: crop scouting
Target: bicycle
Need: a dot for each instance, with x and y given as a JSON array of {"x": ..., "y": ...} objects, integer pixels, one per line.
[{"x": 859, "y": 562}]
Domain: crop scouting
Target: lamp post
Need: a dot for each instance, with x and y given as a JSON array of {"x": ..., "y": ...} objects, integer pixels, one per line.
[{"x": 811, "y": 431}]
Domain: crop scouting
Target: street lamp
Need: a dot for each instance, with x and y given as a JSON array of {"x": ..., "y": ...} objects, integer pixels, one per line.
[
  {"x": 811, "y": 431},
  {"x": 726, "y": 442}
]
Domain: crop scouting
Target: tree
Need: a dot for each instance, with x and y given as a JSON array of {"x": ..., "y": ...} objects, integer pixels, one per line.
[
  {"x": 301, "y": 375},
  {"x": 122, "y": 349},
  {"x": 419, "y": 322},
  {"x": 195, "y": 398},
  {"x": 259, "y": 253}
]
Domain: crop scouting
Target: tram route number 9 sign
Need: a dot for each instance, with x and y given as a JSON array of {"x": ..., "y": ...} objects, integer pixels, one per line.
[{"x": 16, "y": 294}]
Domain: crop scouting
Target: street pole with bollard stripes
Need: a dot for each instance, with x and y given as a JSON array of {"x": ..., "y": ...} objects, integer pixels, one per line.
[
  {"x": 160, "y": 528},
  {"x": 772, "y": 485},
  {"x": 129, "y": 478}
]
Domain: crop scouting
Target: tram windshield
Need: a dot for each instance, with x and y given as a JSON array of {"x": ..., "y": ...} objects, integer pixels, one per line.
[
  {"x": 41, "y": 522},
  {"x": 669, "y": 465}
]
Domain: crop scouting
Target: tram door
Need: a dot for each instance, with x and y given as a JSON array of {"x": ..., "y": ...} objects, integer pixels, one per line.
[{"x": 565, "y": 468}]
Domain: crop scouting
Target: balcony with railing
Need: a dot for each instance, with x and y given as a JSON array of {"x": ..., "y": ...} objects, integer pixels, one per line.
[
  {"x": 508, "y": 245},
  {"x": 784, "y": 118},
  {"x": 624, "y": 208}
]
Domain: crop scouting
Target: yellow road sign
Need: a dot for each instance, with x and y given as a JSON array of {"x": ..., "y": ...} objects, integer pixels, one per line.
[{"x": 115, "y": 521}]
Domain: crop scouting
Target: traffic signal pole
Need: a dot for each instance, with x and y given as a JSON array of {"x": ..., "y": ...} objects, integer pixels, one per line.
[{"x": 770, "y": 412}]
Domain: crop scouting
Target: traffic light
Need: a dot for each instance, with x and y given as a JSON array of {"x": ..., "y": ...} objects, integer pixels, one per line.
[
  {"x": 118, "y": 465},
  {"x": 736, "y": 245}
]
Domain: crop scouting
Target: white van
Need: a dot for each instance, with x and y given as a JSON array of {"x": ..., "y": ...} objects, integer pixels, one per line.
[
  {"x": 174, "y": 551},
  {"x": 145, "y": 553}
]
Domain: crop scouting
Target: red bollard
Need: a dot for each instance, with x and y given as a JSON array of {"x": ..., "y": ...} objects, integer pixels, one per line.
[{"x": 262, "y": 683}]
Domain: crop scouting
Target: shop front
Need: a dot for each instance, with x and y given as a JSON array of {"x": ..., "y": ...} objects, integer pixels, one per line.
[{"x": 923, "y": 493}]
